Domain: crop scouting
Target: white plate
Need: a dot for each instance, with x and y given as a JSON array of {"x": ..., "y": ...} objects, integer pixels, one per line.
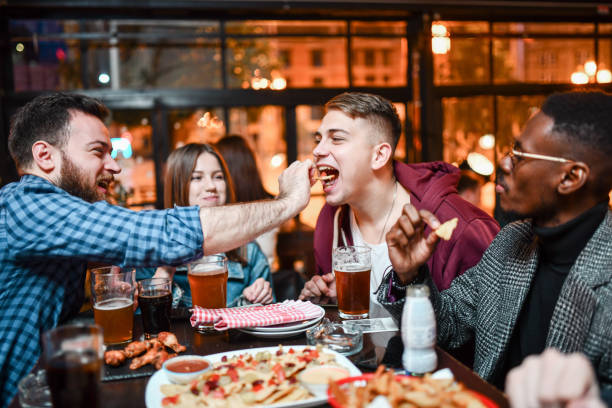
[
  {"x": 285, "y": 327},
  {"x": 154, "y": 396},
  {"x": 275, "y": 335}
]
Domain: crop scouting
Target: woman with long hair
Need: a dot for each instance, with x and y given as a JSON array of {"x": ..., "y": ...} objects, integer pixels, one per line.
[
  {"x": 248, "y": 186},
  {"x": 196, "y": 174}
]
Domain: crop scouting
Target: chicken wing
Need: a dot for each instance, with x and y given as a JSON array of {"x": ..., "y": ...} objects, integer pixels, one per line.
[
  {"x": 169, "y": 340},
  {"x": 147, "y": 358},
  {"x": 114, "y": 357},
  {"x": 136, "y": 348}
]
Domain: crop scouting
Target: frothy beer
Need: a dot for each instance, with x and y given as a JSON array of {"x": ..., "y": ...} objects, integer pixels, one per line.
[
  {"x": 208, "y": 283},
  {"x": 353, "y": 288},
  {"x": 116, "y": 317}
]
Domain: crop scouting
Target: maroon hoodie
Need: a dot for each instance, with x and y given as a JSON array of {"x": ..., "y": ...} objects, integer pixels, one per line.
[{"x": 432, "y": 186}]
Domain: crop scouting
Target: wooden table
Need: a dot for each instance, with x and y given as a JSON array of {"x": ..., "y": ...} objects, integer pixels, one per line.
[{"x": 130, "y": 393}]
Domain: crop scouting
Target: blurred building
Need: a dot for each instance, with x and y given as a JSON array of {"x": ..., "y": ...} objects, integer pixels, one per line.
[{"x": 466, "y": 75}]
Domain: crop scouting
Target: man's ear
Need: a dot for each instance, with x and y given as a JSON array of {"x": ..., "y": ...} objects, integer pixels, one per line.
[
  {"x": 381, "y": 155},
  {"x": 46, "y": 156},
  {"x": 575, "y": 176}
]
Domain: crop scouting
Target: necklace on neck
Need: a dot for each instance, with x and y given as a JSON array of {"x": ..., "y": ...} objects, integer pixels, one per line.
[{"x": 388, "y": 213}]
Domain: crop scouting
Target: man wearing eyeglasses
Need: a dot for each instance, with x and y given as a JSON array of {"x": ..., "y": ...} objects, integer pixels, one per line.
[{"x": 545, "y": 281}]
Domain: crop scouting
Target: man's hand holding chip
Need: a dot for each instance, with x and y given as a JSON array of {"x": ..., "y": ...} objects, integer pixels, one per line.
[{"x": 409, "y": 246}]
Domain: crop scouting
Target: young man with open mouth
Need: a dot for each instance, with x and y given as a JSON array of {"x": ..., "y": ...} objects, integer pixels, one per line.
[{"x": 365, "y": 191}]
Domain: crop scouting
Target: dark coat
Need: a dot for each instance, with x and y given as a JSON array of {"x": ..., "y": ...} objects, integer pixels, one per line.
[{"x": 485, "y": 302}]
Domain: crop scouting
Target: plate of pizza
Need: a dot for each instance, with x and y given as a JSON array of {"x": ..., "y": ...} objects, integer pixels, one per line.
[{"x": 265, "y": 376}]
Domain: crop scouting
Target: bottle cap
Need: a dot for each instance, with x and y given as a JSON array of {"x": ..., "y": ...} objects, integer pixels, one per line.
[{"x": 417, "y": 291}]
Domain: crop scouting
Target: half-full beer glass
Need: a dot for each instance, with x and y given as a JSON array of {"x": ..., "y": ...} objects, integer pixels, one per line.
[
  {"x": 208, "y": 282},
  {"x": 112, "y": 291},
  {"x": 72, "y": 357},
  {"x": 352, "y": 266}
]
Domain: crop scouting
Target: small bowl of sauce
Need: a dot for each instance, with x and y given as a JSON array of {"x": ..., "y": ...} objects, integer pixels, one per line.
[
  {"x": 184, "y": 369},
  {"x": 316, "y": 379}
]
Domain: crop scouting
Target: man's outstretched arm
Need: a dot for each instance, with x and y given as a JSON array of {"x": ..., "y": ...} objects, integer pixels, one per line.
[{"x": 231, "y": 226}]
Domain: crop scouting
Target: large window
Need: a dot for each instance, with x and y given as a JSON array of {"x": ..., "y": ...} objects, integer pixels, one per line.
[
  {"x": 520, "y": 52},
  {"x": 173, "y": 82},
  {"x": 200, "y": 125},
  {"x": 140, "y": 54},
  {"x": 263, "y": 127},
  {"x": 173, "y": 60},
  {"x": 131, "y": 137},
  {"x": 479, "y": 65},
  {"x": 175, "y": 54}
]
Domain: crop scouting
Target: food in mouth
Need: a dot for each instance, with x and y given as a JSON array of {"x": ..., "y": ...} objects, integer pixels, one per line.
[{"x": 327, "y": 175}]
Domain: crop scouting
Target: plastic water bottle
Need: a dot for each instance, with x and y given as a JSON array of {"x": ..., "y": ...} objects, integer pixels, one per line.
[{"x": 419, "y": 331}]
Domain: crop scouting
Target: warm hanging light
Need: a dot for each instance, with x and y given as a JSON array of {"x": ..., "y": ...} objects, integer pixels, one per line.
[
  {"x": 439, "y": 30},
  {"x": 259, "y": 83},
  {"x": 487, "y": 141},
  {"x": 604, "y": 76},
  {"x": 590, "y": 68},
  {"x": 440, "y": 39},
  {"x": 277, "y": 160},
  {"x": 579, "y": 78},
  {"x": 278, "y": 84},
  {"x": 210, "y": 121},
  {"x": 590, "y": 72}
]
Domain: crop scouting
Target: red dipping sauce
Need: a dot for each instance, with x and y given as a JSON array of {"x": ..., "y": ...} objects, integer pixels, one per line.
[{"x": 187, "y": 366}]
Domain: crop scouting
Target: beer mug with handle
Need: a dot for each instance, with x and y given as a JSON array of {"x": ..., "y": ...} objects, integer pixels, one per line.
[{"x": 352, "y": 266}]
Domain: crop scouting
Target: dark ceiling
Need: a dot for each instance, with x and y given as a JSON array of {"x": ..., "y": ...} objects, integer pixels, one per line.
[{"x": 400, "y": 9}]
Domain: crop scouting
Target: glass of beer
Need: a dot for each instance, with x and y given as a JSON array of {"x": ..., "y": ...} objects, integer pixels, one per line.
[
  {"x": 208, "y": 282},
  {"x": 155, "y": 301},
  {"x": 352, "y": 266},
  {"x": 112, "y": 291},
  {"x": 72, "y": 357}
]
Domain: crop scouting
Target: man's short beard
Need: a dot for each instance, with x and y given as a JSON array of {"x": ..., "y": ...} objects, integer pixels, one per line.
[{"x": 73, "y": 181}]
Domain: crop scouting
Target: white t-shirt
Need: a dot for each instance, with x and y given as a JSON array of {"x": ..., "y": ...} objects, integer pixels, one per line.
[{"x": 380, "y": 263}]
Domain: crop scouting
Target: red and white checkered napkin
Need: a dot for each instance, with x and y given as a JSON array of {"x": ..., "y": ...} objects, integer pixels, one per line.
[{"x": 255, "y": 316}]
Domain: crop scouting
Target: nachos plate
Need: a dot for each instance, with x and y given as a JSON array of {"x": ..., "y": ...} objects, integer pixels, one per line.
[{"x": 258, "y": 385}]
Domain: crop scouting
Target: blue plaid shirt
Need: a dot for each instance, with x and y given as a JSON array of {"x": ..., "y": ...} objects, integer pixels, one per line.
[{"x": 47, "y": 236}]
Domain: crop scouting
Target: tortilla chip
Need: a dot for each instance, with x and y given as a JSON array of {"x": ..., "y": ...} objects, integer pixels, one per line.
[
  {"x": 173, "y": 389},
  {"x": 264, "y": 393},
  {"x": 445, "y": 231},
  {"x": 296, "y": 394},
  {"x": 278, "y": 394}
]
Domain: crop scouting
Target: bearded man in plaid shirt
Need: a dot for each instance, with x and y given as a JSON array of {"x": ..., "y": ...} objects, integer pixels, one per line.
[{"x": 54, "y": 221}]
